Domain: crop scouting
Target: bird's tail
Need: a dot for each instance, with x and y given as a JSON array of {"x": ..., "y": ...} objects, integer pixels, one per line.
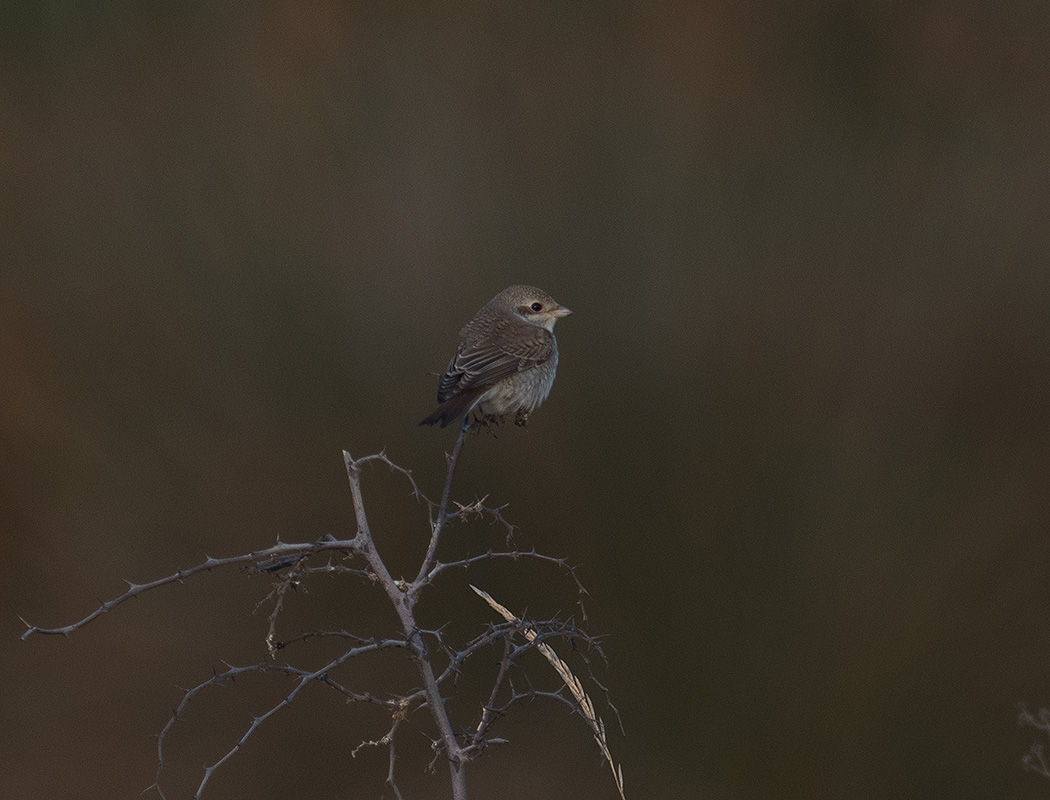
[{"x": 455, "y": 408}]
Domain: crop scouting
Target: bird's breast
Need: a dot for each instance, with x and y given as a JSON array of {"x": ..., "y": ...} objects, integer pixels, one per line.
[{"x": 523, "y": 391}]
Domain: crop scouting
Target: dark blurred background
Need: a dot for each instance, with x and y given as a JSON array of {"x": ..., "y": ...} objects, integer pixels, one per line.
[{"x": 798, "y": 444}]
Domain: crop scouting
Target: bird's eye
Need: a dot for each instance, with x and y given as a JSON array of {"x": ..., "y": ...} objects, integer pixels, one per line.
[{"x": 536, "y": 306}]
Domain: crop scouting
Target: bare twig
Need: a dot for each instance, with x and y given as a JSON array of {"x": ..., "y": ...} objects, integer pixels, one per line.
[
  {"x": 479, "y": 509},
  {"x": 280, "y": 550},
  {"x": 384, "y": 459},
  {"x": 305, "y": 677},
  {"x": 387, "y": 739},
  {"x": 438, "y": 526},
  {"x": 277, "y": 594},
  {"x": 304, "y": 681},
  {"x": 491, "y": 555},
  {"x": 489, "y": 712}
]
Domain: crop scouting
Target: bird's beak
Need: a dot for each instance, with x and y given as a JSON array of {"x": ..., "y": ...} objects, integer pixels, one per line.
[{"x": 561, "y": 311}]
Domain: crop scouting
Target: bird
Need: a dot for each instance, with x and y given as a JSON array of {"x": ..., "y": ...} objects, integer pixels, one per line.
[{"x": 505, "y": 362}]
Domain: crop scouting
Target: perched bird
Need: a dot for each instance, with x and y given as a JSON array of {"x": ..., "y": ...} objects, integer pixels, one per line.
[{"x": 505, "y": 362}]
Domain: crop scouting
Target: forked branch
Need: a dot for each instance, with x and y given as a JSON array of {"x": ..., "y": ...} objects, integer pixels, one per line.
[{"x": 438, "y": 661}]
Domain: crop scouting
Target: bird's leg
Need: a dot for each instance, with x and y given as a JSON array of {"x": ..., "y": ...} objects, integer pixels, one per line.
[{"x": 521, "y": 419}]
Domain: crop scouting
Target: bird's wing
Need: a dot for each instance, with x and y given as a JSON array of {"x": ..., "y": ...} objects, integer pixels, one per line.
[{"x": 510, "y": 348}]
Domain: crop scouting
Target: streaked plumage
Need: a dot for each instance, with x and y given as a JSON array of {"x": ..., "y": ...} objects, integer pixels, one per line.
[{"x": 506, "y": 360}]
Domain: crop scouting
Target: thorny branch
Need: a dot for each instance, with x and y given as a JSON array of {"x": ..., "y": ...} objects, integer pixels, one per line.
[
  {"x": 438, "y": 526},
  {"x": 259, "y": 559},
  {"x": 290, "y": 565},
  {"x": 387, "y": 740}
]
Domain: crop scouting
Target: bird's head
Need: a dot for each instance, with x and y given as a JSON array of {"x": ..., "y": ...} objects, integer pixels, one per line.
[{"x": 532, "y": 305}]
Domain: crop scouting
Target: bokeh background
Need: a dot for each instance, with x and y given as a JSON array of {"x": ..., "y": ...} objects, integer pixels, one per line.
[{"x": 798, "y": 445}]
